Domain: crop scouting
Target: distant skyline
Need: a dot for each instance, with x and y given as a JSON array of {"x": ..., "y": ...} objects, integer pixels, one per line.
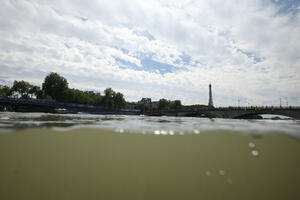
[{"x": 249, "y": 50}]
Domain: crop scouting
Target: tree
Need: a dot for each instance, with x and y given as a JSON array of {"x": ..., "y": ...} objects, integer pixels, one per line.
[
  {"x": 39, "y": 94},
  {"x": 35, "y": 90},
  {"x": 175, "y": 104},
  {"x": 112, "y": 99},
  {"x": 109, "y": 97},
  {"x": 119, "y": 100},
  {"x": 22, "y": 88},
  {"x": 55, "y": 86},
  {"x": 163, "y": 104},
  {"x": 97, "y": 100},
  {"x": 5, "y": 91},
  {"x": 141, "y": 107}
]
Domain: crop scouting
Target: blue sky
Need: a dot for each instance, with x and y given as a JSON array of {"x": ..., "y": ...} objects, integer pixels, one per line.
[{"x": 248, "y": 50}]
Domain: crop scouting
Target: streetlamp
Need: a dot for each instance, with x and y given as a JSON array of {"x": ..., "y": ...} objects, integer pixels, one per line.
[{"x": 280, "y": 103}]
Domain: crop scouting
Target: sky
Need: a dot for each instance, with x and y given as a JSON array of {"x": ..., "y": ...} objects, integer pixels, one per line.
[{"x": 249, "y": 50}]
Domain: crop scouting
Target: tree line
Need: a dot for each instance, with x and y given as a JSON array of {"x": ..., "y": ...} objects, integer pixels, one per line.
[
  {"x": 164, "y": 104},
  {"x": 56, "y": 87},
  {"x": 21, "y": 89}
]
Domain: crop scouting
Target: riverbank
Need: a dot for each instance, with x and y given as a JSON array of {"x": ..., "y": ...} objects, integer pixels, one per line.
[{"x": 101, "y": 164}]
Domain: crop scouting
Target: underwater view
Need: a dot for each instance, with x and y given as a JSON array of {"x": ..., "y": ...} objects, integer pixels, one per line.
[
  {"x": 52, "y": 156},
  {"x": 149, "y": 100}
]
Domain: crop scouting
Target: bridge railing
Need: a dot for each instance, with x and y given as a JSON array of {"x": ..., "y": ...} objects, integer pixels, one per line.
[
  {"x": 61, "y": 104},
  {"x": 260, "y": 108},
  {"x": 251, "y": 108},
  {"x": 88, "y": 106}
]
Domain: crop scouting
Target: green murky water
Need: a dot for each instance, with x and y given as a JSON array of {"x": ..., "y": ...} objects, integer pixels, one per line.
[{"x": 136, "y": 157}]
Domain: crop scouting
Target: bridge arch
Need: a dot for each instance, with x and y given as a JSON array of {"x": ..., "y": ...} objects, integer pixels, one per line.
[
  {"x": 255, "y": 114},
  {"x": 248, "y": 116}
]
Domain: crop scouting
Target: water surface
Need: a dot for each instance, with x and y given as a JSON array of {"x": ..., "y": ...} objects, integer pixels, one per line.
[
  {"x": 45, "y": 156},
  {"x": 145, "y": 124}
]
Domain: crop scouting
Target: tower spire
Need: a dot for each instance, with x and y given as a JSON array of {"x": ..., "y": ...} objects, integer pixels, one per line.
[{"x": 210, "y": 101}]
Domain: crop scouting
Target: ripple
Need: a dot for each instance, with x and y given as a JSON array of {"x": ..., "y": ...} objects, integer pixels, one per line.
[{"x": 151, "y": 125}]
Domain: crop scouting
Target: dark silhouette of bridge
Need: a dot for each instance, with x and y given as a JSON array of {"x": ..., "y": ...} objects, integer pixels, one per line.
[
  {"x": 36, "y": 105},
  {"x": 40, "y": 105},
  {"x": 231, "y": 112}
]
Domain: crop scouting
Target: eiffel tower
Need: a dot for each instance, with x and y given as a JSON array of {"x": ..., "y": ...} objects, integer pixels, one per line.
[{"x": 210, "y": 101}]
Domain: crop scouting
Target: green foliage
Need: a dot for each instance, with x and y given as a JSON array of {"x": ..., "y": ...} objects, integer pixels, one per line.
[
  {"x": 21, "y": 87},
  {"x": 163, "y": 104},
  {"x": 113, "y": 99},
  {"x": 55, "y": 86},
  {"x": 109, "y": 97},
  {"x": 175, "y": 104},
  {"x": 25, "y": 90},
  {"x": 93, "y": 98},
  {"x": 81, "y": 97},
  {"x": 35, "y": 90},
  {"x": 119, "y": 100},
  {"x": 5, "y": 91}
]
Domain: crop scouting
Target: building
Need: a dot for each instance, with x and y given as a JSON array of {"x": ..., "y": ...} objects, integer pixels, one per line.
[
  {"x": 210, "y": 100},
  {"x": 146, "y": 102}
]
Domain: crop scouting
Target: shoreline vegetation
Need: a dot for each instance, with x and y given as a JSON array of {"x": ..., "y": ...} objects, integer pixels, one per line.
[{"x": 56, "y": 88}]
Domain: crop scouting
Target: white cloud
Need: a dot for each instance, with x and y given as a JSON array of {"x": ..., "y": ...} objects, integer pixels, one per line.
[{"x": 244, "y": 48}]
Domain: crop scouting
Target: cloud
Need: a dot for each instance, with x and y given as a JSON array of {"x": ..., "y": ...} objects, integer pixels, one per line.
[{"x": 248, "y": 50}]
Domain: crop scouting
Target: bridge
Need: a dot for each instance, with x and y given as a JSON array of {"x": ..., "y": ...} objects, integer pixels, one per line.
[
  {"x": 37, "y": 105},
  {"x": 231, "y": 112},
  {"x": 41, "y": 105}
]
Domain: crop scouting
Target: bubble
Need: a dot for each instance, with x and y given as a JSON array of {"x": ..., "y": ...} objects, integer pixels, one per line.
[
  {"x": 222, "y": 172},
  {"x": 255, "y": 153},
  {"x": 156, "y": 132},
  {"x": 121, "y": 130},
  {"x": 208, "y": 173},
  {"x": 196, "y": 131},
  {"x": 251, "y": 145}
]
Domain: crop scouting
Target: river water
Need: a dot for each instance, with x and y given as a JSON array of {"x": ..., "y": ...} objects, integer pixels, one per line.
[
  {"x": 52, "y": 156},
  {"x": 164, "y": 125}
]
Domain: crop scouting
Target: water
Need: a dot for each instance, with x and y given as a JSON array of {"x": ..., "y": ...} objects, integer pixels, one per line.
[
  {"x": 145, "y": 124},
  {"x": 47, "y": 156}
]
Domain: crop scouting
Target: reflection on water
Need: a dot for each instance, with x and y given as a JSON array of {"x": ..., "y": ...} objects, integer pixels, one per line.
[{"x": 144, "y": 124}]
